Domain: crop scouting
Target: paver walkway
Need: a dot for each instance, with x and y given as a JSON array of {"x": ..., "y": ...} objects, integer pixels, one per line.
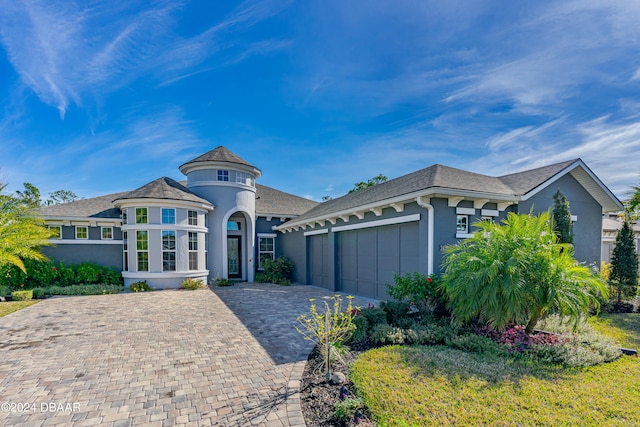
[{"x": 228, "y": 357}]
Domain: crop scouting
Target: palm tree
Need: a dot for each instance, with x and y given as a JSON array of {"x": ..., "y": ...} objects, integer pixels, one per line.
[
  {"x": 516, "y": 273},
  {"x": 21, "y": 232}
]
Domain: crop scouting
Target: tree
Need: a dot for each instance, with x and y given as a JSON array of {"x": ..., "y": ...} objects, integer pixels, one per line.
[
  {"x": 562, "y": 218},
  {"x": 369, "y": 183},
  {"x": 61, "y": 196},
  {"x": 624, "y": 263},
  {"x": 517, "y": 272},
  {"x": 30, "y": 196},
  {"x": 632, "y": 206},
  {"x": 21, "y": 232}
]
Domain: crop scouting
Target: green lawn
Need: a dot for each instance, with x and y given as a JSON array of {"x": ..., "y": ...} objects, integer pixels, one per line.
[
  {"x": 418, "y": 386},
  {"x": 623, "y": 328},
  {"x": 11, "y": 306}
]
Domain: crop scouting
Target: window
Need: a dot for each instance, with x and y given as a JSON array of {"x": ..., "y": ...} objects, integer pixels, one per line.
[
  {"x": 82, "y": 232},
  {"x": 55, "y": 232},
  {"x": 266, "y": 250},
  {"x": 193, "y": 217},
  {"x": 107, "y": 233},
  {"x": 193, "y": 251},
  {"x": 168, "y": 216},
  {"x": 462, "y": 224},
  {"x": 124, "y": 216},
  {"x": 141, "y": 216},
  {"x": 168, "y": 250},
  {"x": 244, "y": 178},
  {"x": 125, "y": 250},
  {"x": 223, "y": 175},
  {"x": 142, "y": 246}
]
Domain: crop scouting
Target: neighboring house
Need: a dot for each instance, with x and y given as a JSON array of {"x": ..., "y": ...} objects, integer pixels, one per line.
[
  {"x": 220, "y": 223},
  {"x": 610, "y": 226}
]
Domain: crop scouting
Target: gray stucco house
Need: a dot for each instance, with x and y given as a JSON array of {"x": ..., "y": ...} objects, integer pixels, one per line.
[{"x": 220, "y": 223}]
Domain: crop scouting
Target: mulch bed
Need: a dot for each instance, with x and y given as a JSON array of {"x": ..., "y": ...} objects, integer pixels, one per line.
[{"x": 317, "y": 396}]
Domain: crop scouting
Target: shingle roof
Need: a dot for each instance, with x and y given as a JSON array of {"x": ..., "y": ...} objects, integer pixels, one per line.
[
  {"x": 440, "y": 178},
  {"x": 95, "y": 207},
  {"x": 164, "y": 188},
  {"x": 436, "y": 176},
  {"x": 270, "y": 201},
  {"x": 219, "y": 154},
  {"x": 523, "y": 182}
]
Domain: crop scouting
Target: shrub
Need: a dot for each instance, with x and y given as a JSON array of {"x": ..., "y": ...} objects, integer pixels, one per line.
[
  {"x": 365, "y": 320},
  {"x": 423, "y": 291},
  {"x": 5, "y": 291},
  {"x": 99, "y": 289},
  {"x": 515, "y": 338},
  {"x": 329, "y": 329},
  {"x": 374, "y": 315},
  {"x": 22, "y": 295},
  {"x": 577, "y": 346},
  {"x": 38, "y": 293},
  {"x": 361, "y": 331},
  {"x": 435, "y": 334},
  {"x": 139, "y": 286},
  {"x": 223, "y": 282},
  {"x": 279, "y": 271},
  {"x": 517, "y": 272},
  {"x": 87, "y": 272},
  {"x": 191, "y": 284},
  {"x": 396, "y": 311},
  {"x": 387, "y": 335},
  {"x": 345, "y": 410}
]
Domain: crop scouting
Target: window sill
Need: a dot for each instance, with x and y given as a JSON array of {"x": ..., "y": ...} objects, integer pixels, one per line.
[{"x": 464, "y": 235}]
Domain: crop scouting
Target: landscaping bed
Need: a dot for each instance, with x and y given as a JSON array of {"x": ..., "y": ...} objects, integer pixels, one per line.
[{"x": 318, "y": 397}]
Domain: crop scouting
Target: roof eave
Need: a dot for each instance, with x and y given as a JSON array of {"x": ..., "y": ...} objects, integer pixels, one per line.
[
  {"x": 405, "y": 198},
  {"x": 161, "y": 201},
  {"x": 216, "y": 164}
]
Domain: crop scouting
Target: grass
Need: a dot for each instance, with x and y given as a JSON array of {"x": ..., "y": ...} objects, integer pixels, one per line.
[
  {"x": 9, "y": 307},
  {"x": 623, "y": 328},
  {"x": 418, "y": 386}
]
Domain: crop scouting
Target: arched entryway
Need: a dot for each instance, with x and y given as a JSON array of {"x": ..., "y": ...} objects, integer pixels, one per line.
[{"x": 237, "y": 244}]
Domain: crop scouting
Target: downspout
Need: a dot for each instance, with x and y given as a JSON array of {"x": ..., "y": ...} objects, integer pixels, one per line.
[{"x": 424, "y": 202}]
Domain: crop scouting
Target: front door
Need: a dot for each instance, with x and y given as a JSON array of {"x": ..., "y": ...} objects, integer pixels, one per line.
[{"x": 234, "y": 251}]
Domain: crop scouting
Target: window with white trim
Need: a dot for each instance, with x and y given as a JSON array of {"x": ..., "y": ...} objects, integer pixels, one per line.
[
  {"x": 107, "y": 233},
  {"x": 245, "y": 178},
  {"x": 193, "y": 250},
  {"x": 223, "y": 175},
  {"x": 124, "y": 216},
  {"x": 55, "y": 232},
  {"x": 168, "y": 216},
  {"x": 125, "y": 250},
  {"x": 266, "y": 249},
  {"x": 192, "y": 217},
  {"x": 141, "y": 216},
  {"x": 168, "y": 250},
  {"x": 462, "y": 223},
  {"x": 82, "y": 232},
  {"x": 142, "y": 248}
]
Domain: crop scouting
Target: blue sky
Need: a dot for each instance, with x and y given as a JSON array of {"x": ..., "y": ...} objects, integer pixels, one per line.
[{"x": 103, "y": 96}]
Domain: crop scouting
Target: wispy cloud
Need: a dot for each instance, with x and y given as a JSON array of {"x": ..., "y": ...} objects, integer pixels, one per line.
[{"x": 68, "y": 51}]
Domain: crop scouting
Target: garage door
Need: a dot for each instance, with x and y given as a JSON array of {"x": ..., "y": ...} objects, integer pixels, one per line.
[
  {"x": 368, "y": 258},
  {"x": 318, "y": 260}
]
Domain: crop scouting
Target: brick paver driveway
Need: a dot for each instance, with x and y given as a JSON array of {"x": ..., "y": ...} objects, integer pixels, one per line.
[{"x": 230, "y": 357}]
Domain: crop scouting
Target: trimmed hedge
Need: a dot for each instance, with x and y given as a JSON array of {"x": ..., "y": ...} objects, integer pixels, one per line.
[{"x": 42, "y": 274}]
